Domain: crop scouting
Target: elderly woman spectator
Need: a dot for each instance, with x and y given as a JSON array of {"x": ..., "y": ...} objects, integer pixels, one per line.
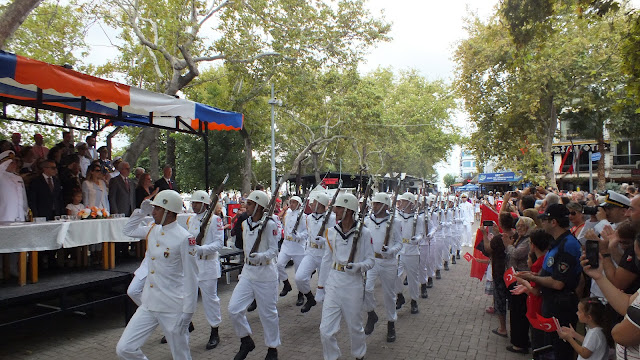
[
  {"x": 576, "y": 218},
  {"x": 94, "y": 189},
  {"x": 517, "y": 253},
  {"x": 143, "y": 190}
]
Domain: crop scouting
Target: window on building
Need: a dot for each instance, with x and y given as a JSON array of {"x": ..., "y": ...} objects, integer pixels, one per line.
[
  {"x": 627, "y": 152},
  {"x": 467, "y": 164}
]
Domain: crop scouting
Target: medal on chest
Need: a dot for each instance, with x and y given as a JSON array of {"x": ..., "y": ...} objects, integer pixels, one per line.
[{"x": 166, "y": 253}]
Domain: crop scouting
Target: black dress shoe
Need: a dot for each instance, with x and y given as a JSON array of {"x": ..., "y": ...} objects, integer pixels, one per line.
[
  {"x": 429, "y": 283},
  {"x": 438, "y": 277},
  {"x": 372, "y": 319},
  {"x": 246, "y": 346},
  {"x": 300, "y": 301},
  {"x": 423, "y": 291},
  {"x": 286, "y": 288},
  {"x": 518, "y": 351},
  {"x": 453, "y": 259},
  {"x": 391, "y": 331},
  {"x": 446, "y": 266},
  {"x": 214, "y": 339},
  {"x": 400, "y": 301},
  {"x": 311, "y": 302},
  {"x": 272, "y": 354},
  {"x": 414, "y": 307},
  {"x": 458, "y": 254},
  {"x": 253, "y": 306}
]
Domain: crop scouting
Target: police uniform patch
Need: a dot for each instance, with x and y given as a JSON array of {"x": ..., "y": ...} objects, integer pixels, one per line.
[
  {"x": 563, "y": 267},
  {"x": 550, "y": 261},
  {"x": 275, "y": 232},
  {"x": 192, "y": 241}
]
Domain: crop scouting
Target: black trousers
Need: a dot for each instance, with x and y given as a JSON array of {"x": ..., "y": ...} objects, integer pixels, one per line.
[
  {"x": 563, "y": 306},
  {"x": 518, "y": 321}
]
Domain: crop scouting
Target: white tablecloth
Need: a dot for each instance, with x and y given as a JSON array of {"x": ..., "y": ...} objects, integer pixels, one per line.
[{"x": 55, "y": 235}]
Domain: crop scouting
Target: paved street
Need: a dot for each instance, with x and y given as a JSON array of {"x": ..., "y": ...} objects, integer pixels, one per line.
[{"x": 452, "y": 324}]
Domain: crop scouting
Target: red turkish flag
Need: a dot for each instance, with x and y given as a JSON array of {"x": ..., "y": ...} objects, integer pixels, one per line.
[
  {"x": 545, "y": 324},
  {"x": 477, "y": 268},
  {"x": 509, "y": 276},
  {"x": 468, "y": 256}
]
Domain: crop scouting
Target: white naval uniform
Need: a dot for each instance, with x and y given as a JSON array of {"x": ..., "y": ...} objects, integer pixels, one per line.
[
  {"x": 456, "y": 231},
  {"x": 315, "y": 250},
  {"x": 410, "y": 253},
  {"x": 170, "y": 291},
  {"x": 467, "y": 215},
  {"x": 293, "y": 244},
  {"x": 208, "y": 261},
  {"x": 386, "y": 265},
  {"x": 13, "y": 197},
  {"x": 259, "y": 282},
  {"x": 344, "y": 290},
  {"x": 427, "y": 250},
  {"x": 447, "y": 222}
]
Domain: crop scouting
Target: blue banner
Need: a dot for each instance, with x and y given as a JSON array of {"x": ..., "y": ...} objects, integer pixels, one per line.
[{"x": 500, "y": 177}]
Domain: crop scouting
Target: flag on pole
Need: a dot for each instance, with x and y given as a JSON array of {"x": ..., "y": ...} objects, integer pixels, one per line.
[
  {"x": 509, "y": 276},
  {"x": 468, "y": 256},
  {"x": 564, "y": 159},
  {"x": 545, "y": 324}
]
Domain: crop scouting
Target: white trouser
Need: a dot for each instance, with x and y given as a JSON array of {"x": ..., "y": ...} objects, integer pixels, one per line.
[
  {"x": 283, "y": 259},
  {"x": 142, "y": 325},
  {"x": 210, "y": 301},
  {"x": 344, "y": 298},
  {"x": 387, "y": 272},
  {"x": 427, "y": 265},
  {"x": 303, "y": 274},
  {"x": 446, "y": 245},
  {"x": 266, "y": 295},
  {"x": 409, "y": 264},
  {"x": 436, "y": 248},
  {"x": 466, "y": 235},
  {"x": 135, "y": 289}
]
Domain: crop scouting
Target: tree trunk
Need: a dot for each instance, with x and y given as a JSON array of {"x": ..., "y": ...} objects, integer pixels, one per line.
[
  {"x": 13, "y": 17},
  {"x": 248, "y": 158},
  {"x": 144, "y": 139},
  {"x": 601, "y": 174},
  {"x": 316, "y": 171},
  {"x": 171, "y": 150},
  {"x": 153, "y": 160},
  {"x": 299, "y": 178}
]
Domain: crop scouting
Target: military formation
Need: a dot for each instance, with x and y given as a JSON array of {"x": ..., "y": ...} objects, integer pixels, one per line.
[{"x": 401, "y": 240}]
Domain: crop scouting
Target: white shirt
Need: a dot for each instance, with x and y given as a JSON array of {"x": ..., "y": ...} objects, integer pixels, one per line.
[
  {"x": 268, "y": 247},
  {"x": 293, "y": 244},
  {"x": 314, "y": 222},
  {"x": 466, "y": 213},
  {"x": 338, "y": 250},
  {"x": 378, "y": 228},
  {"x": 410, "y": 241},
  {"x": 13, "y": 197},
  {"x": 172, "y": 283},
  {"x": 596, "y": 341},
  {"x": 207, "y": 257}
]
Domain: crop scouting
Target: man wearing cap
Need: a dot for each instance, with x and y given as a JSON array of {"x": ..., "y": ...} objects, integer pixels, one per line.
[
  {"x": 412, "y": 231},
  {"x": 295, "y": 236},
  {"x": 341, "y": 276},
  {"x": 386, "y": 265},
  {"x": 13, "y": 197},
  {"x": 428, "y": 258},
  {"x": 39, "y": 149},
  {"x": 259, "y": 279},
  {"x": 467, "y": 217},
  {"x": 559, "y": 276},
  {"x": 208, "y": 261},
  {"x": 315, "y": 248},
  {"x": 170, "y": 291}
]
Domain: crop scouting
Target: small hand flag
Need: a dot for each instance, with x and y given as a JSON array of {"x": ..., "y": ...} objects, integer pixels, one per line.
[
  {"x": 468, "y": 256},
  {"x": 509, "y": 276},
  {"x": 545, "y": 324}
]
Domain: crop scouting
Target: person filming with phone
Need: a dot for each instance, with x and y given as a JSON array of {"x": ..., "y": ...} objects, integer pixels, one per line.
[{"x": 559, "y": 276}]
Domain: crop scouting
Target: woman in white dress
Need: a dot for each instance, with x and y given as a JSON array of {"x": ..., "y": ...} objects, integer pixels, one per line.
[{"x": 94, "y": 189}]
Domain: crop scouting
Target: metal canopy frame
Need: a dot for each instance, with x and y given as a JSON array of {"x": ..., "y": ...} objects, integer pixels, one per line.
[{"x": 98, "y": 122}]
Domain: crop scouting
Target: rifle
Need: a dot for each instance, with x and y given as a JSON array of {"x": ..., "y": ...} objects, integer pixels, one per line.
[
  {"x": 423, "y": 192},
  {"x": 361, "y": 215},
  {"x": 392, "y": 215},
  {"x": 206, "y": 219},
  {"x": 327, "y": 214},
  {"x": 304, "y": 207},
  {"x": 268, "y": 212}
]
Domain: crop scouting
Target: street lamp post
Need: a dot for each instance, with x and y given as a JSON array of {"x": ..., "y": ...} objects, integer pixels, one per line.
[{"x": 273, "y": 102}]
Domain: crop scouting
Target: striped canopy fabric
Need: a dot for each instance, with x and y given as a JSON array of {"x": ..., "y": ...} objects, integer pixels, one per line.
[{"x": 21, "y": 79}]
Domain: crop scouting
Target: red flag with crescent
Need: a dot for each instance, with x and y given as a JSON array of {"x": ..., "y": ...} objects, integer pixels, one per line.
[
  {"x": 545, "y": 324},
  {"x": 468, "y": 256},
  {"x": 478, "y": 268},
  {"x": 509, "y": 276}
]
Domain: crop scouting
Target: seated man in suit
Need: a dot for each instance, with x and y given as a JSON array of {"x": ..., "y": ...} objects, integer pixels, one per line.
[
  {"x": 165, "y": 182},
  {"x": 122, "y": 198},
  {"x": 45, "y": 192}
]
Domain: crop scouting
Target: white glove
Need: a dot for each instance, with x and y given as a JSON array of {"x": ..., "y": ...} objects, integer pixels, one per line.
[
  {"x": 388, "y": 252},
  {"x": 146, "y": 208},
  {"x": 353, "y": 268},
  {"x": 198, "y": 250},
  {"x": 318, "y": 240},
  {"x": 320, "y": 295},
  {"x": 257, "y": 258},
  {"x": 183, "y": 322},
  {"x": 414, "y": 240}
]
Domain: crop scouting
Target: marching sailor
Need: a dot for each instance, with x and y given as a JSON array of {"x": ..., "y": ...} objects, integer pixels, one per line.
[
  {"x": 467, "y": 216},
  {"x": 386, "y": 264},
  {"x": 259, "y": 279},
  {"x": 315, "y": 248},
  {"x": 410, "y": 253},
  {"x": 342, "y": 279},
  {"x": 171, "y": 288},
  {"x": 295, "y": 236},
  {"x": 427, "y": 265},
  {"x": 208, "y": 261}
]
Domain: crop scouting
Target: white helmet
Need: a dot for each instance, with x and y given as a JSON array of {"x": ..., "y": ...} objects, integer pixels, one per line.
[
  {"x": 452, "y": 198},
  {"x": 169, "y": 200},
  {"x": 347, "y": 201},
  {"x": 259, "y": 197},
  {"x": 296, "y": 198},
  {"x": 432, "y": 198},
  {"x": 200, "y": 196},
  {"x": 409, "y": 197},
  {"x": 320, "y": 197},
  {"x": 383, "y": 198}
]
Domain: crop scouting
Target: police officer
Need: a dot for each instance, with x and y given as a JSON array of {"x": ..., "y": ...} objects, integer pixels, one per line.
[
  {"x": 386, "y": 265},
  {"x": 259, "y": 279},
  {"x": 295, "y": 236},
  {"x": 208, "y": 261},
  {"x": 171, "y": 288},
  {"x": 342, "y": 279},
  {"x": 318, "y": 201},
  {"x": 410, "y": 253}
]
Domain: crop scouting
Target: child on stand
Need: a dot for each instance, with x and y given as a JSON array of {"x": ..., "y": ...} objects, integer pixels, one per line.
[
  {"x": 596, "y": 343},
  {"x": 76, "y": 203}
]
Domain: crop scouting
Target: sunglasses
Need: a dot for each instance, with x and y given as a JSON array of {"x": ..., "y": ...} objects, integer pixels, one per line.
[{"x": 573, "y": 213}]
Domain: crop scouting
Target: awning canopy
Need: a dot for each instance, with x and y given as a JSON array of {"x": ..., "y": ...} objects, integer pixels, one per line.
[
  {"x": 40, "y": 85},
  {"x": 499, "y": 178}
]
